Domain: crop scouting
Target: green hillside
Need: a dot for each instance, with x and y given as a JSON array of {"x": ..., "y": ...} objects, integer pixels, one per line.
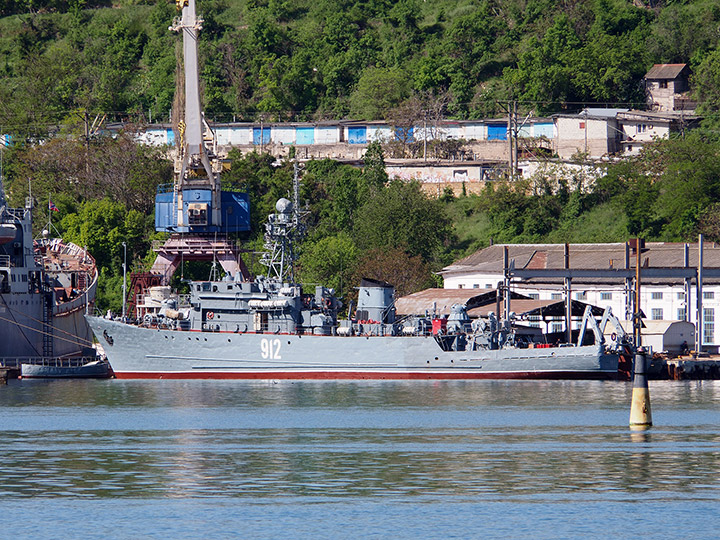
[
  {"x": 304, "y": 59},
  {"x": 64, "y": 62}
]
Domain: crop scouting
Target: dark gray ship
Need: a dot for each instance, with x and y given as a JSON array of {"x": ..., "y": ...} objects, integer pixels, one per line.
[{"x": 46, "y": 286}]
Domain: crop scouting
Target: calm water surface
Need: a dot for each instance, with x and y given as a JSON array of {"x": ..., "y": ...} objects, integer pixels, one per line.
[{"x": 216, "y": 459}]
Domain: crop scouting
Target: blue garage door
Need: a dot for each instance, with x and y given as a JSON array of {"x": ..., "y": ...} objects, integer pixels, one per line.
[
  {"x": 305, "y": 135},
  {"x": 497, "y": 132},
  {"x": 357, "y": 135},
  {"x": 265, "y": 135},
  {"x": 404, "y": 134}
]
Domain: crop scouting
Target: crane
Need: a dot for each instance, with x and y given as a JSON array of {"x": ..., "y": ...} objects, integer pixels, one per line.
[{"x": 194, "y": 209}]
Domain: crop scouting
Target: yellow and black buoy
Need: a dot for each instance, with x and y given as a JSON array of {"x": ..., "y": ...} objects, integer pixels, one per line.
[{"x": 640, "y": 415}]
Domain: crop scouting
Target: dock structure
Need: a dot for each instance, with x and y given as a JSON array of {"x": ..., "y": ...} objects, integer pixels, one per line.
[
  {"x": 8, "y": 373},
  {"x": 700, "y": 368}
]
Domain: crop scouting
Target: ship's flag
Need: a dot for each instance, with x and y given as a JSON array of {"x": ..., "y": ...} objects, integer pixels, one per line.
[{"x": 52, "y": 207}]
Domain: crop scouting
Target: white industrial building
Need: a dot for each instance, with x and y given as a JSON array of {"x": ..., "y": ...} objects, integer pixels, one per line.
[{"x": 669, "y": 286}]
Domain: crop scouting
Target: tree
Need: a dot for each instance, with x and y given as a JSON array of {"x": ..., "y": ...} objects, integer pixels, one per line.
[
  {"x": 402, "y": 216},
  {"x": 119, "y": 168},
  {"x": 378, "y": 90},
  {"x": 329, "y": 261},
  {"x": 545, "y": 67},
  {"x": 102, "y": 226},
  {"x": 393, "y": 265},
  {"x": 706, "y": 86},
  {"x": 403, "y": 119},
  {"x": 374, "y": 174}
]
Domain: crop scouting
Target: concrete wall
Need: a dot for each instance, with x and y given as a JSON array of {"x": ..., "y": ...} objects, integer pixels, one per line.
[
  {"x": 595, "y": 136},
  {"x": 663, "y": 99}
]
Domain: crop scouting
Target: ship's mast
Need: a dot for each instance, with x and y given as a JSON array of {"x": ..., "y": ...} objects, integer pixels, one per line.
[{"x": 282, "y": 231}]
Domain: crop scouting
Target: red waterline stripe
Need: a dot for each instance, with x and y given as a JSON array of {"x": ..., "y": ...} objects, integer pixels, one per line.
[{"x": 359, "y": 375}]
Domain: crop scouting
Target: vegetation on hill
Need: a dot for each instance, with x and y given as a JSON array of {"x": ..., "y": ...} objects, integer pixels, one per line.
[
  {"x": 63, "y": 61},
  {"x": 362, "y": 223},
  {"x": 362, "y": 59}
]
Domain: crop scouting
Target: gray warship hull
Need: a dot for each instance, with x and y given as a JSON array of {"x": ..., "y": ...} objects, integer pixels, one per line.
[
  {"x": 151, "y": 353},
  {"x": 46, "y": 286}
]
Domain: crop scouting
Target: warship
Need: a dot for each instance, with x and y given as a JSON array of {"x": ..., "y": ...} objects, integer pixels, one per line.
[
  {"x": 46, "y": 285},
  {"x": 272, "y": 328}
]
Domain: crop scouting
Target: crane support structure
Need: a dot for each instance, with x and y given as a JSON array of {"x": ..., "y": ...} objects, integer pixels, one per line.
[{"x": 194, "y": 209}]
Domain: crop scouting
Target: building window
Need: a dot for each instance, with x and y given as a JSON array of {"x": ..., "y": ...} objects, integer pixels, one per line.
[
  {"x": 476, "y": 285},
  {"x": 556, "y": 296},
  {"x": 534, "y": 296},
  {"x": 681, "y": 314},
  {"x": 662, "y": 84},
  {"x": 656, "y": 314},
  {"x": 488, "y": 286},
  {"x": 606, "y": 296},
  {"x": 708, "y": 325},
  {"x": 656, "y": 295},
  {"x": 708, "y": 295},
  {"x": 461, "y": 286},
  {"x": 557, "y": 327},
  {"x": 681, "y": 296},
  {"x": 581, "y": 295}
]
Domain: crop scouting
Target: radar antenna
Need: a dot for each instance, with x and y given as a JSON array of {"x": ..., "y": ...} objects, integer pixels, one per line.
[{"x": 283, "y": 230}]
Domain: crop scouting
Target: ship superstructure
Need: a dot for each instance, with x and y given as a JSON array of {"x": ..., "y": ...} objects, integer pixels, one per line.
[{"x": 46, "y": 286}]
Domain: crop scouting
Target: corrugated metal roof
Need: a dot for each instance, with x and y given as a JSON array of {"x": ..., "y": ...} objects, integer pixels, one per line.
[
  {"x": 582, "y": 257},
  {"x": 665, "y": 71},
  {"x": 657, "y": 115},
  {"x": 596, "y": 113},
  {"x": 480, "y": 302},
  {"x": 442, "y": 300}
]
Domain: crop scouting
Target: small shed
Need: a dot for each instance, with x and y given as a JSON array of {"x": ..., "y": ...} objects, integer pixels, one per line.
[{"x": 663, "y": 336}]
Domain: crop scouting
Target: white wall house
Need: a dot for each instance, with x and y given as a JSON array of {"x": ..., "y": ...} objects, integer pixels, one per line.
[
  {"x": 660, "y": 298},
  {"x": 641, "y": 127},
  {"x": 593, "y": 132}
]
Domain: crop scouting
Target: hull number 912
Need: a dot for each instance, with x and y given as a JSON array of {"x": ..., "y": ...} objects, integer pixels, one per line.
[{"x": 270, "y": 349}]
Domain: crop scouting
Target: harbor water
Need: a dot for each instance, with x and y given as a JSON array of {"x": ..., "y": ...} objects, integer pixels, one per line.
[{"x": 283, "y": 459}]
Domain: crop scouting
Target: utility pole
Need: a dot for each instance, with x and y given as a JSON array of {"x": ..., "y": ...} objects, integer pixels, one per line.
[
  {"x": 510, "y": 140},
  {"x": 637, "y": 321},
  {"x": 700, "y": 315},
  {"x": 424, "y": 134},
  {"x": 86, "y": 118},
  {"x": 515, "y": 137}
]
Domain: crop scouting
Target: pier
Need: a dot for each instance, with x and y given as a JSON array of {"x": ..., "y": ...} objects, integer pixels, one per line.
[
  {"x": 697, "y": 369},
  {"x": 9, "y": 373}
]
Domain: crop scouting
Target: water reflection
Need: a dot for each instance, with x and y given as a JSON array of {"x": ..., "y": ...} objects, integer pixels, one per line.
[{"x": 496, "y": 441}]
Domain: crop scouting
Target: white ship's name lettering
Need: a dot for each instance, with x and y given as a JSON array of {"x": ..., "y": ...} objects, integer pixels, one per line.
[{"x": 270, "y": 349}]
